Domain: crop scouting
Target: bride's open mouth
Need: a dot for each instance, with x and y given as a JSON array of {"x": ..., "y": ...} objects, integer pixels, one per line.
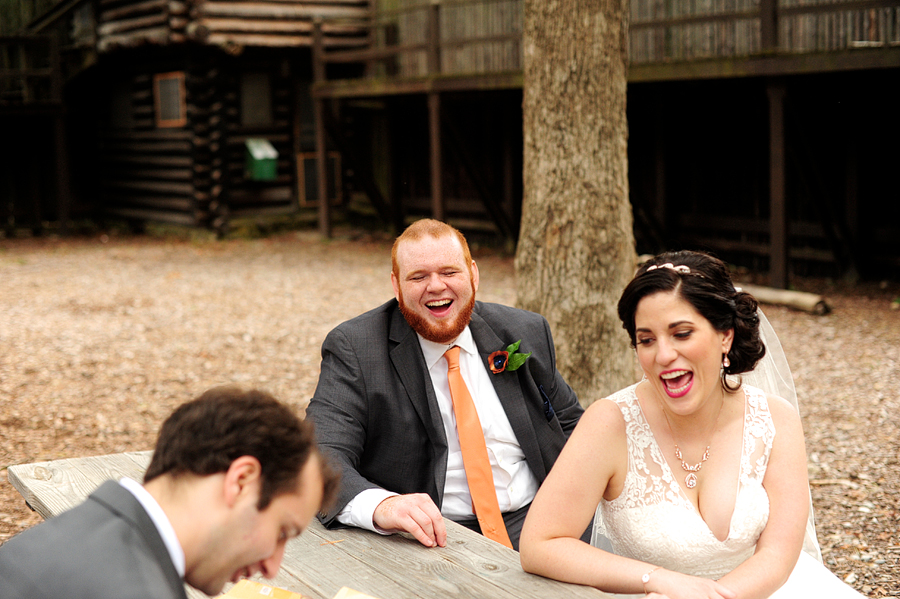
[{"x": 677, "y": 382}]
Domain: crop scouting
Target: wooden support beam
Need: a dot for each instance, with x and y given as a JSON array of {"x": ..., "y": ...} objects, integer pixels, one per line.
[
  {"x": 321, "y": 155},
  {"x": 778, "y": 223},
  {"x": 438, "y": 211}
]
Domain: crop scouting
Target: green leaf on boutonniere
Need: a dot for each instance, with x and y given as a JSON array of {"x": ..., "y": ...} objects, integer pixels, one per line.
[{"x": 515, "y": 359}]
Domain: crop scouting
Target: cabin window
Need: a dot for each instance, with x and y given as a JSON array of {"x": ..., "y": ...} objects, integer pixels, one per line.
[
  {"x": 256, "y": 100},
  {"x": 168, "y": 95}
]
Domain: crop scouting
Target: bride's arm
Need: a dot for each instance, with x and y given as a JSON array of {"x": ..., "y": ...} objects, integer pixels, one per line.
[
  {"x": 785, "y": 482},
  {"x": 592, "y": 465}
]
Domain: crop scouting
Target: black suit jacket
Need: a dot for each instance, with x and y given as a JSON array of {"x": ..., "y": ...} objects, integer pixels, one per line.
[
  {"x": 376, "y": 414},
  {"x": 105, "y": 548}
]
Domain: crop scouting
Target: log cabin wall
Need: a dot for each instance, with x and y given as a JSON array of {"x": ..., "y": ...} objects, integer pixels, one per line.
[
  {"x": 229, "y": 24},
  {"x": 147, "y": 171}
]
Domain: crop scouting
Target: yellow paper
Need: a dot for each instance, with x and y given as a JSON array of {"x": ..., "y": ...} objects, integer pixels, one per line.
[
  {"x": 250, "y": 589},
  {"x": 347, "y": 593}
]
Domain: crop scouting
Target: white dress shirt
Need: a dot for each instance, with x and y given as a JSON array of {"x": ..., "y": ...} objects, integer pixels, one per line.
[
  {"x": 514, "y": 482},
  {"x": 160, "y": 520}
]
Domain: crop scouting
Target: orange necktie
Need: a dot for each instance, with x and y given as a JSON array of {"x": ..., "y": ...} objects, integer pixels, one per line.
[{"x": 475, "y": 456}]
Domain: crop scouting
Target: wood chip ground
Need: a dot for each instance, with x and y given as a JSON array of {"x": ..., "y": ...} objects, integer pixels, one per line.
[{"x": 100, "y": 338}]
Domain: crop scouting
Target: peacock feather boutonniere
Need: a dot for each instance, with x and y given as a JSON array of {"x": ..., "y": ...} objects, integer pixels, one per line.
[{"x": 507, "y": 359}]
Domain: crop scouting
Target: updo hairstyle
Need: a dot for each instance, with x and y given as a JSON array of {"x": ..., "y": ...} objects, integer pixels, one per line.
[{"x": 706, "y": 285}]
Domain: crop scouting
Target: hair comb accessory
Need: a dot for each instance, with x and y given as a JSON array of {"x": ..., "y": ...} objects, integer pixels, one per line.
[{"x": 680, "y": 269}]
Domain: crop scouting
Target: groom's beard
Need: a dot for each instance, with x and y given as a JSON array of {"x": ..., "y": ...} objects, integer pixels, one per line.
[{"x": 442, "y": 332}]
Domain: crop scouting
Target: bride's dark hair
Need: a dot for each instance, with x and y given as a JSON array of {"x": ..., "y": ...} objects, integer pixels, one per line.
[{"x": 702, "y": 281}]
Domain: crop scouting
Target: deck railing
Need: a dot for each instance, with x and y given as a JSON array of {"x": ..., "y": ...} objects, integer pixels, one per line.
[
  {"x": 416, "y": 38},
  {"x": 666, "y": 31},
  {"x": 450, "y": 37}
]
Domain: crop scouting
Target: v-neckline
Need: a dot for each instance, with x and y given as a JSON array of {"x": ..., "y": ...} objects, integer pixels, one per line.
[{"x": 681, "y": 491}]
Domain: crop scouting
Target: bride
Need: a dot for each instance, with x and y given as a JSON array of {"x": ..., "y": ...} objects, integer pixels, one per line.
[{"x": 698, "y": 480}]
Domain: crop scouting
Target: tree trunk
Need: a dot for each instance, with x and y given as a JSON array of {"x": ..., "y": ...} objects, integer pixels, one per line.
[{"x": 576, "y": 247}]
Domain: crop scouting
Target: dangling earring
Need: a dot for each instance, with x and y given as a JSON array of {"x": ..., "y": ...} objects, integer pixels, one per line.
[{"x": 725, "y": 361}]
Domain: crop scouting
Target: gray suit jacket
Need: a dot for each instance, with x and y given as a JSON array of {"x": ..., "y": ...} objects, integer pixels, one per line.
[
  {"x": 105, "y": 548},
  {"x": 376, "y": 414}
]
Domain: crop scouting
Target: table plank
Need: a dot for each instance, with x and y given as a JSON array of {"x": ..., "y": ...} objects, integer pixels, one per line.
[{"x": 321, "y": 561}]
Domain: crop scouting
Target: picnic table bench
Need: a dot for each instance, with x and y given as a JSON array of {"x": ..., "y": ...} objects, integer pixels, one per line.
[{"x": 320, "y": 562}]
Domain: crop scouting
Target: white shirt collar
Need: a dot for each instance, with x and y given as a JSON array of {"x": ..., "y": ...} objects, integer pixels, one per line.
[
  {"x": 435, "y": 351},
  {"x": 156, "y": 513}
]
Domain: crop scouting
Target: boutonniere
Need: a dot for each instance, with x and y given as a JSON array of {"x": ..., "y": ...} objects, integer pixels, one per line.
[{"x": 508, "y": 359}]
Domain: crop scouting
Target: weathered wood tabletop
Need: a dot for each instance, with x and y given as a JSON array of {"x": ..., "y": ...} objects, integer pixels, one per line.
[{"x": 320, "y": 562}]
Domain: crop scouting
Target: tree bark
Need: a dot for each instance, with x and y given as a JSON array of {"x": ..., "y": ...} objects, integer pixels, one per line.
[{"x": 576, "y": 247}]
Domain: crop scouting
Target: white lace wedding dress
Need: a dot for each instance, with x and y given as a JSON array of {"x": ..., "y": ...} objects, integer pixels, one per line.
[{"x": 653, "y": 520}]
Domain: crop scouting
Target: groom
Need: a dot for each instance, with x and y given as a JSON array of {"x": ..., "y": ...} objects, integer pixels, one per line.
[{"x": 386, "y": 406}]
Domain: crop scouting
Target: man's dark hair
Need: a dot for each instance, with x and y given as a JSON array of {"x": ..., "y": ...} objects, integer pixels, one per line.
[{"x": 205, "y": 435}]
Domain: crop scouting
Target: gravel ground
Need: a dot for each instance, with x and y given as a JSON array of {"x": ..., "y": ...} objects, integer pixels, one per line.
[{"x": 102, "y": 337}]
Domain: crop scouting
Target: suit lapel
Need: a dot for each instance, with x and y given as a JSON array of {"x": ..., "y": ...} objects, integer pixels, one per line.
[
  {"x": 509, "y": 390},
  {"x": 409, "y": 364},
  {"x": 120, "y": 500}
]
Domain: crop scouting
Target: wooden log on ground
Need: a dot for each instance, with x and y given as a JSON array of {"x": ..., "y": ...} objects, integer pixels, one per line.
[{"x": 799, "y": 300}]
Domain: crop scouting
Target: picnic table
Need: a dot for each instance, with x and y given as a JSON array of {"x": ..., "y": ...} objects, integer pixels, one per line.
[{"x": 320, "y": 562}]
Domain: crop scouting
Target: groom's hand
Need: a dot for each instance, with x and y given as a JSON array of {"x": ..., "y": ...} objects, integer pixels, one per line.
[{"x": 416, "y": 514}]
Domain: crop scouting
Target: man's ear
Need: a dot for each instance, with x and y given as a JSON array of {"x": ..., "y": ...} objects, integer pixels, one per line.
[
  {"x": 243, "y": 477},
  {"x": 396, "y": 285}
]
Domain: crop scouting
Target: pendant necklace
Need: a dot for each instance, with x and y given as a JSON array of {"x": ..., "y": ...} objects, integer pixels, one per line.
[{"x": 691, "y": 479}]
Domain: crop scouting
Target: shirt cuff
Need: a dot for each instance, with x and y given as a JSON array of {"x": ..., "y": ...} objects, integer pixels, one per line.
[{"x": 360, "y": 511}]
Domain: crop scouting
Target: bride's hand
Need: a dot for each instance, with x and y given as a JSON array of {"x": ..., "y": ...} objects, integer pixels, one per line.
[{"x": 673, "y": 585}]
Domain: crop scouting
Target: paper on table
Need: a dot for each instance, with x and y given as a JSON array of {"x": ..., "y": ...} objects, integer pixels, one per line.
[{"x": 250, "y": 589}]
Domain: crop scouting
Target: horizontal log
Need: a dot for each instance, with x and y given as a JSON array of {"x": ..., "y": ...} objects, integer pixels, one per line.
[
  {"x": 164, "y": 187},
  {"x": 278, "y": 10},
  {"x": 163, "y": 161},
  {"x": 799, "y": 300},
  {"x": 183, "y": 175},
  {"x": 155, "y": 135},
  {"x": 267, "y": 194},
  {"x": 157, "y": 35},
  {"x": 178, "y": 218},
  {"x": 183, "y": 147},
  {"x": 149, "y": 6},
  {"x": 124, "y": 25},
  {"x": 267, "y": 211}
]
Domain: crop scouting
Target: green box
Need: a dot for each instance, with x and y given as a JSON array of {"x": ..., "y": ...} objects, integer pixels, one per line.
[{"x": 260, "y": 160}]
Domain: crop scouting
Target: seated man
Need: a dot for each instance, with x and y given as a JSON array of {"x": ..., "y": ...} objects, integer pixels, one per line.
[
  {"x": 424, "y": 410},
  {"x": 234, "y": 475}
]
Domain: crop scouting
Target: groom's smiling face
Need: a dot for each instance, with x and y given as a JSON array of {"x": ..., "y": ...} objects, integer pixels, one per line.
[{"x": 435, "y": 286}]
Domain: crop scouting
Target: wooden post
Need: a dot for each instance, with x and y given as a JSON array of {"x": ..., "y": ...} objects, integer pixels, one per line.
[
  {"x": 63, "y": 186},
  {"x": 319, "y": 110},
  {"x": 778, "y": 230},
  {"x": 434, "y": 132},
  {"x": 434, "y": 114}
]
